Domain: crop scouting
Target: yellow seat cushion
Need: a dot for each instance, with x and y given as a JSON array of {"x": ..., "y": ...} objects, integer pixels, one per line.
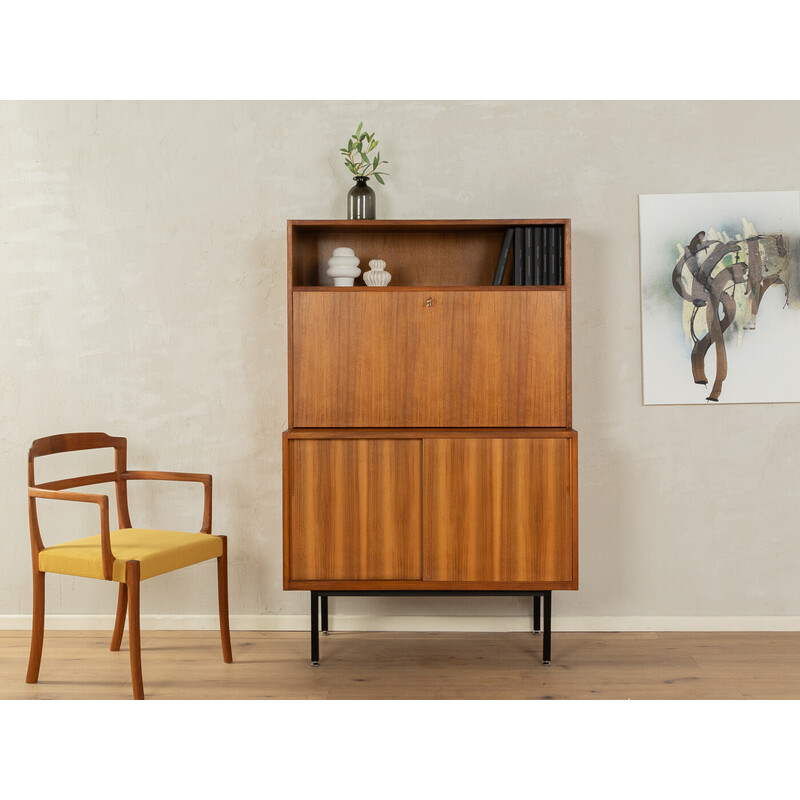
[{"x": 156, "y": 551}]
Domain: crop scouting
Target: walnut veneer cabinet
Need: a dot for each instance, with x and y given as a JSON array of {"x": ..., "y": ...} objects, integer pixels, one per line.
[{"x": 430, "y": 447}]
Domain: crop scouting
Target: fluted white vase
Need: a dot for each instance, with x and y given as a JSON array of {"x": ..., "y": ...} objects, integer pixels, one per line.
[
  {"x": 343, "y": 266},
  {"x": 377, "y": 274}
]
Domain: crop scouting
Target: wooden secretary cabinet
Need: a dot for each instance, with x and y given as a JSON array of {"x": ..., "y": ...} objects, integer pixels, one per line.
[{"x": 430, "y": 446}]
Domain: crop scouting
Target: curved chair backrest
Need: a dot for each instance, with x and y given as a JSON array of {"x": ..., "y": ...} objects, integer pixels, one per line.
[
  {"x": 71, "y": 442},
  {"x": 68, "y": 442}
]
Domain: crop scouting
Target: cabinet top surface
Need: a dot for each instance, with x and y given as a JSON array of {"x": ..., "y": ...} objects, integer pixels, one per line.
[
  {"x": 375, "y": 224},
  {"x": 429, "y": 433}
]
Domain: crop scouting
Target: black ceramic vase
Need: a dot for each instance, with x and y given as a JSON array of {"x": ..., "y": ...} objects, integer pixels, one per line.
[{"x": 361, "y": 200}]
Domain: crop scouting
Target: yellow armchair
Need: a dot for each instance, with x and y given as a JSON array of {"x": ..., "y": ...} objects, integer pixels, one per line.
[{"x": 127, "y": 556}]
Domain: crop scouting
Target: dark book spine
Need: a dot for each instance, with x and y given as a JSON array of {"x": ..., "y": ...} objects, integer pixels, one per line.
[
  {"x": 538, "y": 256},
  {"x": 518, "y": 276},
  {"x": 502, "y": 260},
  {"x": 550, "y": 255},
  {"x": 560, "y": 255},
  {"x": 528, "y": 256}
]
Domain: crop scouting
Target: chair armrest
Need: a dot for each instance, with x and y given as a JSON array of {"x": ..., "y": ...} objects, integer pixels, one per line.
[
  {"x": 195, "y": 477},
  {"x": 80, "y": 497}
]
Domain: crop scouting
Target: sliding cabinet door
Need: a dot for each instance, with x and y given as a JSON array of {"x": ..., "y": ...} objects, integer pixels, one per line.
[
  {"x": 355, "y": 509},
  {"x": 497, "y": 510}
]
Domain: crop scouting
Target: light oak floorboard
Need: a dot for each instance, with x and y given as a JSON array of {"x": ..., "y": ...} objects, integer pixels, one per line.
[{"x": 382, "y": 666}]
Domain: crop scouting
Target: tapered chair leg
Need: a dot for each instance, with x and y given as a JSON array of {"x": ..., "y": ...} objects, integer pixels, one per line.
[
  {"x": 134, "y": 637},
  {"x": 222, "y": 591},
  {"x": 119, "y": 623},
  {"x": 37, "y": 628}
]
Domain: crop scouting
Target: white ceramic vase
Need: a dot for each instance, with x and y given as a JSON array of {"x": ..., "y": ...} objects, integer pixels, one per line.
[
  {"x": 377, "y": 274},
  {"x": 343, "y": 266}
]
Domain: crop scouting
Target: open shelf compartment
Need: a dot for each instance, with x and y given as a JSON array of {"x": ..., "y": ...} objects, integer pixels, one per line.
[{"x": 418, "y": 253}]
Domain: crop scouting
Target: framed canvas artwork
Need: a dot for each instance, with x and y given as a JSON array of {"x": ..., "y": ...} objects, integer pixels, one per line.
[{"x": 720, "y": 283}]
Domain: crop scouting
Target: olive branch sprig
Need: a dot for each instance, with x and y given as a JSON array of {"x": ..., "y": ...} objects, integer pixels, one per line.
[{"x": 357, "y": 155}]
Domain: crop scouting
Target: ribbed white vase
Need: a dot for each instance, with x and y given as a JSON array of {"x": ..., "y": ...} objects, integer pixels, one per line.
[
  {"x": 343, "y": 266},
  {"x": 377, "y": 274}
]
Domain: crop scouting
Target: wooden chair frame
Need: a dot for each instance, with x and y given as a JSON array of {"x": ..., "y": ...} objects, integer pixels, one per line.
[{"x": 128, "y": 598}]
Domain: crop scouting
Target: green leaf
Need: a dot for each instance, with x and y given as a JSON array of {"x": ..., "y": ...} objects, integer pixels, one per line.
[
  {"x": 359, "y": 128},
  {"x": 379, "y": 179},
  {"x": 375, "y": 163},
  {"x": 371, "y": 146},
  {"x": 351, "y": 167}
]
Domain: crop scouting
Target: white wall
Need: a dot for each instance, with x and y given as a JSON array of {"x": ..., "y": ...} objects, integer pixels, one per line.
[{"x": 142, "y": 275}]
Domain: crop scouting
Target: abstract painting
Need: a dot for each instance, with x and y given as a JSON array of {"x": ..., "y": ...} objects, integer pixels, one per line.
[{"x": 720, "y": 297}]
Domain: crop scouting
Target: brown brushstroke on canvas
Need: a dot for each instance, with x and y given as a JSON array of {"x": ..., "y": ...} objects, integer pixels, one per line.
[{"x": 711, "y": 290}]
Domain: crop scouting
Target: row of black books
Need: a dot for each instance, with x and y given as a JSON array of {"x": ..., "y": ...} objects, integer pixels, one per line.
[{"x": 537, "y": 254}]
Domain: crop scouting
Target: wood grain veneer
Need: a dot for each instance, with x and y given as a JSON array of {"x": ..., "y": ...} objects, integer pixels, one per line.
[
  {"x": 450, "y": 359},
  {"x": 321, "y": 584},
  {"x": 355, "y": 510},
  {"x": 525, "y": 476},
  {"x": 497, "y": 510},
  {"x": 428, "y": 433}
]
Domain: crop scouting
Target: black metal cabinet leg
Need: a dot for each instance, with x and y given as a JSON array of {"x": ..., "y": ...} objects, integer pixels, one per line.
[
  {"x": 314, "y": 629},
  {"x": 537, "y": 615},
  {"x": 546, "y": 637},
  {"x": 325, "y": 614}
]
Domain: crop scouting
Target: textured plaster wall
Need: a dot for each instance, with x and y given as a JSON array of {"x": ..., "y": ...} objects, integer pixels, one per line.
[{"x": 142, "y": 275}]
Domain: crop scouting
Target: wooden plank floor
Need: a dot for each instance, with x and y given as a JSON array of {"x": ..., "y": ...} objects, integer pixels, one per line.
[{"x": 382, "y": 666}]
